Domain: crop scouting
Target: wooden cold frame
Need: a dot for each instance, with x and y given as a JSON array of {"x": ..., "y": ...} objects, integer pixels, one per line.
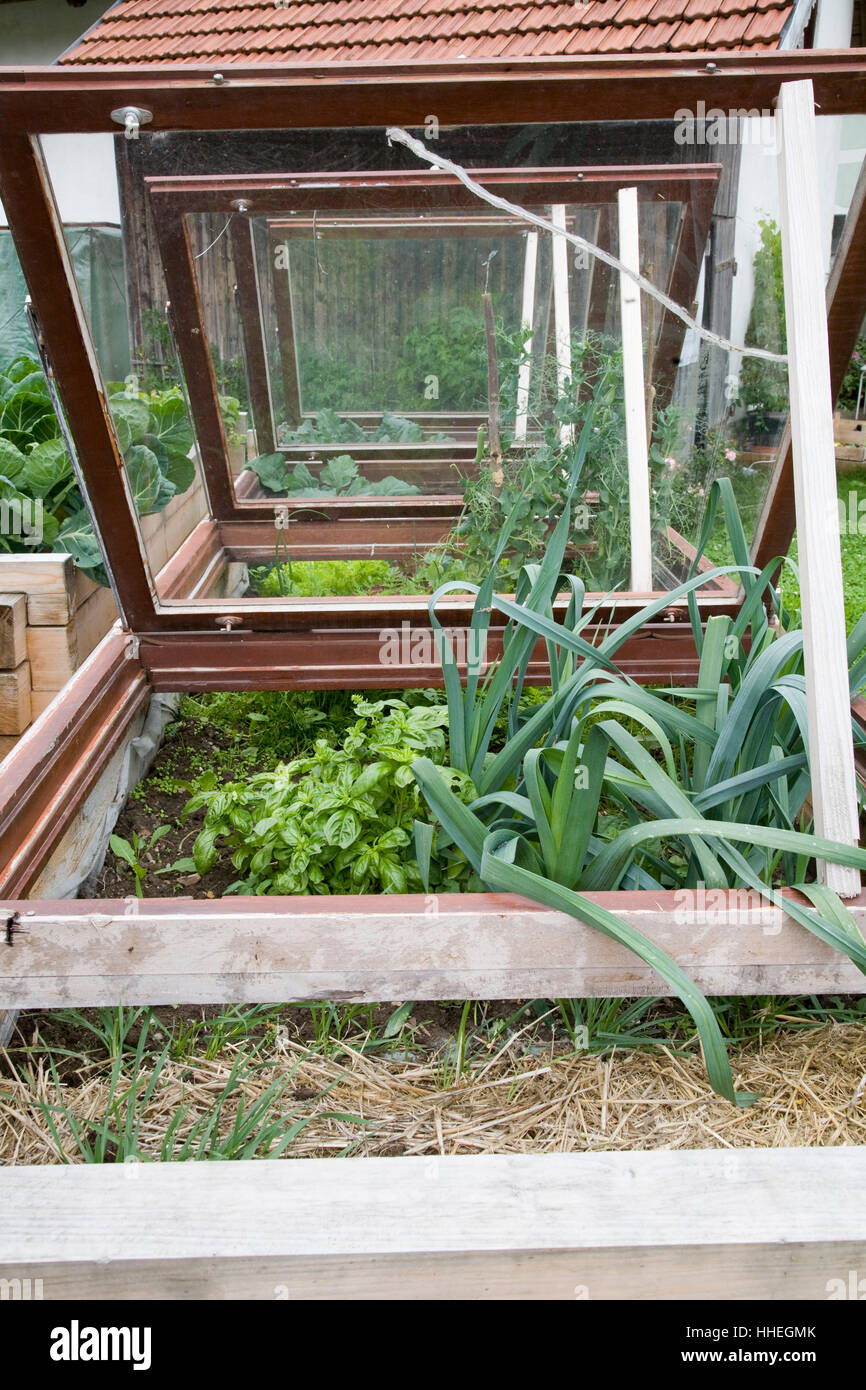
[
  {"x": 386, "y": 196},
  {"x": 249, "y": 637},
  {"x": 741, "y": 1224}
]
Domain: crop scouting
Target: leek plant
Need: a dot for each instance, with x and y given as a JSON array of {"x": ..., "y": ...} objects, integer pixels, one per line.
[{"x": 609, "y": 785}]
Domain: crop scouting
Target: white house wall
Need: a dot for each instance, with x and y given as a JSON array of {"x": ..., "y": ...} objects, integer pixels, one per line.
[{"x": 81, "y": 166}]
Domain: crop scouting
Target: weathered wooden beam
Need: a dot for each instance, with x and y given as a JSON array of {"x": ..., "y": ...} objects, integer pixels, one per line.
[
  {"x": 737, "y": 1224},
  {"x": 380, "y": 948},
  {"x": 514, "y": 90}
]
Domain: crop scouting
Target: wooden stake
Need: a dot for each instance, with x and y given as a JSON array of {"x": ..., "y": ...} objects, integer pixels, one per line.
[
  {"x": 635, "y": 397},
  {"x": 828, "y": 704},
  {"x": 527, "y": 319},
  {"x": 562, "y": 313},
  {"x": 492, "y": 391}
]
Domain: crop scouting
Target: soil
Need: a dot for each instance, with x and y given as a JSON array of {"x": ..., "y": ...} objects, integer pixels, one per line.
[{"x": 187, "y": 748}]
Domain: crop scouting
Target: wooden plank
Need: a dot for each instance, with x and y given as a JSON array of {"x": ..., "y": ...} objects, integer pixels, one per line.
[
  {"x": 53, "y": 654},
  {"x": 92, "y": 621},
  {"x": 47, "y": 777},
  {"x": 15, "y": 699},
  {"x": 635, "y": 397},
  {"x": 834, "y": 788},
  {"x": 708, "y": 1224},
  {"x": 391, "y": 948},
  {"x": 13, "y": 630},
  {"x": 47, "y": 580},
  {"x": 40, "y": 700}
]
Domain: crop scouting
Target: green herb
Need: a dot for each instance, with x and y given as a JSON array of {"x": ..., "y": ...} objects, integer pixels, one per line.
[
  {"x": 133, "y": 853},
  {"x": 338, "y": 821}
]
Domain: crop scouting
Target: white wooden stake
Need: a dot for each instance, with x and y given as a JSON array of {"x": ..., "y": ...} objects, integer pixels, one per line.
[
  {"x": 828, "y": 703},
  {"x": 635, "y": 397},
  {"x": 527, "y": 317},
  {"x": 561, "y": 312}
]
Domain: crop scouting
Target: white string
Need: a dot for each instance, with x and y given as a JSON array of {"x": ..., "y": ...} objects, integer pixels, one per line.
[
  {"x": 417, "y": 147},
  {"x": 215, "y": 240}
]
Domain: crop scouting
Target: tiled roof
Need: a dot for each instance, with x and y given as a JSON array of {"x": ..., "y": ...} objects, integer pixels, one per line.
[{"x": 370, "y": 31}]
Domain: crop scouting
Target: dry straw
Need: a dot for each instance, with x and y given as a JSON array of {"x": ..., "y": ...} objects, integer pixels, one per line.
[{"x": 812, "y": 1082}]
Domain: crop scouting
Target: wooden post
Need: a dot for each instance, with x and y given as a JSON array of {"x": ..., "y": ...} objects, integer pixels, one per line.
[
  {"x": 828, "y": 703},
  {"x": 635, "y": 397},
  {"x": 561, "y": 312},
  {"x": 527, "y": 319}
]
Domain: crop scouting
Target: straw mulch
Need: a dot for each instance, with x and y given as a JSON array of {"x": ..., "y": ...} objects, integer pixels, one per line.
[{"x": 812, "y": 1083}]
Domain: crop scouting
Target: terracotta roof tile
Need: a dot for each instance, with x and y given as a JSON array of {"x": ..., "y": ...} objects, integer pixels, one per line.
[
  {"x": 656, "y": 37},
  {"x": 370, "y": 31},
  {"x": 763, "y": 26},
  {"x": 632, "y": 12},
  {"x": 694, "y": 35},
  {"x": 726, "y": 32},
  {"x": 668, "y": 9}
]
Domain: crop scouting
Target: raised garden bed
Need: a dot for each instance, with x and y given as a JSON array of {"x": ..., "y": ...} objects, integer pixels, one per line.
[{"x": 601, "y": 858}]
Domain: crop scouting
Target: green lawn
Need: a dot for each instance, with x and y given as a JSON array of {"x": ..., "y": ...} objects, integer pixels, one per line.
[
  {"x": 853, "y": 551},
  {"x": 749, "y": 489}
]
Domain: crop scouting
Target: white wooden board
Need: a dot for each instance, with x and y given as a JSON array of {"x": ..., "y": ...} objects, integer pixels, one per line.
[{"x": 739, "y": 1224}]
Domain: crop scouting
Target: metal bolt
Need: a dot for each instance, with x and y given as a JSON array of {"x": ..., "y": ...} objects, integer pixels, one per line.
[{"x": 132, "y": 118}]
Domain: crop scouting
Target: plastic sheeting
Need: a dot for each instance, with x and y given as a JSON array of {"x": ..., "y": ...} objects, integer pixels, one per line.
[
  {"x": 80, "y": 879},
  {"x": 97, "y": 259}
]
